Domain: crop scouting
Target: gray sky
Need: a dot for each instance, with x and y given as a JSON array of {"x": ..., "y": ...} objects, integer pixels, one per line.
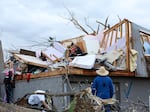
[{"x": 25, "y": 21}]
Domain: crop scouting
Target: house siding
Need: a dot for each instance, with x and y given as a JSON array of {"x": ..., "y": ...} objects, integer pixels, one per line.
[{"x": 141, "y": 70}]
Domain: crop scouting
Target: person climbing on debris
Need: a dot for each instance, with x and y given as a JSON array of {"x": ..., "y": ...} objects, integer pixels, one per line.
[
  {"x": 103, "y": 86},
  {"x": 39, "y": 100},
  {"x": 75, "y": 50}
]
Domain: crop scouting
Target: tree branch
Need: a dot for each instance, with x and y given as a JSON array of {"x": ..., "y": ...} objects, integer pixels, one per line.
[
  {"x": 75, "y": 22},
  {"x": 89, "y": 26}
]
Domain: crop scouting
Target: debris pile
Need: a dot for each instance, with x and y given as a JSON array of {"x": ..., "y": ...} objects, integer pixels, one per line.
[
  {"x": 113, "y": 48},
  {"x": 65, "y": 54},
  {"x": 4, "y": 107},
  {"x": 110, "y": 47},
  {"x": 84, "y": 101}
]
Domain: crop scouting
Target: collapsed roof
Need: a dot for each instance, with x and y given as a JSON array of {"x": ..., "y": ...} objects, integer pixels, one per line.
[{"x": 120, "y": 49}]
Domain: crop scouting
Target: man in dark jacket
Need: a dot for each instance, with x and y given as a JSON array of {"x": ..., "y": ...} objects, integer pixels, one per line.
[
  {"x": 9, "y": 87},
  {"x": 103, "y": 86}
]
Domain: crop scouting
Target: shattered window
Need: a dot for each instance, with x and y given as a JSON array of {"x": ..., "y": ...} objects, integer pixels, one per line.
[{"x": 145, "y": 40}]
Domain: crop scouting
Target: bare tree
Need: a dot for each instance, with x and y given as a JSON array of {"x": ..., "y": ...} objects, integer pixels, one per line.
[
  {"x": 104, "y": 24},
  {"x": 89, "y": 26},
  {"x": 75, "y": 22},
  {"x": 79, "y": 26}
]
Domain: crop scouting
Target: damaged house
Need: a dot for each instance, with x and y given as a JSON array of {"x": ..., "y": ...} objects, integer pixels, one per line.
[{"x": 122, "y": 49}]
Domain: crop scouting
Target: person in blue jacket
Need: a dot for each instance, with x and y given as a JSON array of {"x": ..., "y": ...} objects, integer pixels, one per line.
[{"x": 103, "y": 85}]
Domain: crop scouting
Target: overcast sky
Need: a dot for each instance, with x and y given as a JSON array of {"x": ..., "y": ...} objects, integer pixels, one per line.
[{"x": 24, "y": 21}]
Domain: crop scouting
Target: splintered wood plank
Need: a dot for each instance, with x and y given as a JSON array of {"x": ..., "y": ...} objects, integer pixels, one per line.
[
  {"x": 85, "y": 72},
  {"x": 56, "y": 72},
  {"x": 127, "y": 47},
  {"x": 31, "y": 60}
]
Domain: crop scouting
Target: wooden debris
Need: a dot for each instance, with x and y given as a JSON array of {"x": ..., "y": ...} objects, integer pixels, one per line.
[
  {"x": 4, "y": 107},
  {"x": 84, "y": 101}
]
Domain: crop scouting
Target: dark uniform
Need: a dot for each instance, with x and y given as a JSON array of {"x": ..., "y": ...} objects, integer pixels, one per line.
[{"x": 8, "y": 81}]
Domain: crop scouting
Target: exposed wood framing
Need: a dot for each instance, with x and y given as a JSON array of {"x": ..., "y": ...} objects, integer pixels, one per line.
[
  {"x": 116, "y": 34},
  {"x": 56, "y": 72},
  {"x": 127, "y": 46},
  {"x": 108, "y": 39},
  {"x": 111, "y": 38},
  {"x": 72, "y": 71},
  {"x": 116, "y": 26}
]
